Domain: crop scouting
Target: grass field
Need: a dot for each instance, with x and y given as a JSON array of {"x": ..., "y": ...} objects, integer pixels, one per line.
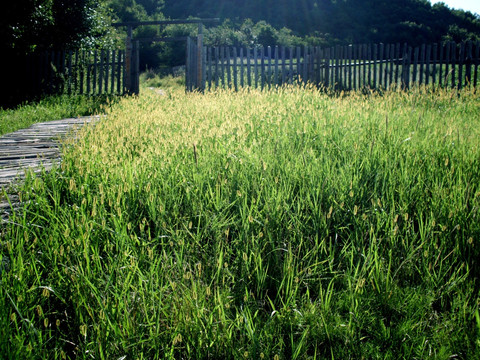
[{"x": 279, "y": 225}]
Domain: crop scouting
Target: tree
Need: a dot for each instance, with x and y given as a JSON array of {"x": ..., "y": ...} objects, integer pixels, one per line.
[{"x": 266, "y": 34}]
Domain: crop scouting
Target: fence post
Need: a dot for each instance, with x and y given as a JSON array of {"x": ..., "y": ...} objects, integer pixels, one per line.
[
  {"x": 477, "y": 56},
  {"x": 128, "y": 60},
  {"x": 199, "y": 84},
  {"x": 136, "y": 69}
]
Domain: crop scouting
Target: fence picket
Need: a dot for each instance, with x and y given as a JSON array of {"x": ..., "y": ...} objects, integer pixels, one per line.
[
  {"x": 249, "y": 69},
  {"x": 468, "y": 64},
  {"x": 477, "y": 56},
  {"x": 407, "y": 63},
  {"x": 242, "y": 69},
  {"x": 434, "y": 62},
  {"x": 269, "y": 71},
  {"x": 454, "y": 60},
  {"x": 440, "y": 62},
  {"x": 275, "y": 76},
  {"x": 427, "y": 64},
  {"x": 460, "y": 65},
  {"x": 235, "y": 79},
  {"x": 367, "y": 66}
]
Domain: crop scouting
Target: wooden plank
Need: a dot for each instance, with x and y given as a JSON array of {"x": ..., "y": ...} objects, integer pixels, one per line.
[
  {"x": 216, "y": 52},
  {"x": 440, "y": 65},
  {"x": 453, "y": 62},
  {"x": 290, "y": 71},
  {"x": 97, "y": 75},
  {"x": 311, "y": 65},
  {"x": 369, "y": 62},
  {"x": 408, "y": 68},
  {"x": 106, "y": 69},
  {"x": 36, "y": 147},
  {"x": 354, "y": 67},
  {"x": 249, "y": 68},
  {"x": 434, "y": 62},
  {"x": 269, "y": 58},
  {"x": 337, "y": 72},
  {"x": 460, "y": 65},
  {"x": 403, "y": 75},
  {"x": 306, "y": 60},
  {"x": 448, "y": 47},
  {"x": 476, "y": 62},
  {"x": 362, "y": 75},
  {"x": 336, "y": 56},
  {"x": 319, "y": 57},
  {"x": 276, "y": 55},
  {"x": 388, "y": 65},
  {"x": 262, "y": 67},
  {"x": 375, "y": 62},
  {"x": 255, "y": 65},
  {"x": 229, "y": 72},
  {"x": 298, "y": 68},
  {"x": 284, "y": 75},
  {"x": 468, "y": 64},
  {"x": 112, "y": 73},
  {"x": 397, "y": 64},
  {"x": 327, "y": 68},
  {"x": 208, "y": 68},
  {"x": 188, "y": 66},
  {"x": 389, "y": 59},
  {"x": 235, "y": 73},
  {"x": 121, "y": 61},
  {"x": 427, "y": 64},
  {"x": 242, "y": 69},
  {"x": 416, "y": 53},
  {"x": 222, "y": 67},
  {"x": 207, "y": 64},
  {"x": 204, "y": 69},
  {"x": 348, "y": 67},
  {"x": 344, "y": 67}
]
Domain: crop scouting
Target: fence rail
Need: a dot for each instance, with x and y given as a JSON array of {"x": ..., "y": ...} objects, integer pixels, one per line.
[
  {"x": 354, "y": 67},
  {"x": 76, "y": 72}
]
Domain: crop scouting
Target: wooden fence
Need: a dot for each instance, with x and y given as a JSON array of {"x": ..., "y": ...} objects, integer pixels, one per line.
[
  {"x": 354, "y": 67},
  {"x": 76, "y": 72}
]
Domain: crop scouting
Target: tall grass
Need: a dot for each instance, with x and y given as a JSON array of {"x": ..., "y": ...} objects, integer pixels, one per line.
[{"x": 277, "y": 225}]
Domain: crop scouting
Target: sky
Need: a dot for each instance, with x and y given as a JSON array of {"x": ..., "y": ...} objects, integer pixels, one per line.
[{"x": 467, "y": 5}]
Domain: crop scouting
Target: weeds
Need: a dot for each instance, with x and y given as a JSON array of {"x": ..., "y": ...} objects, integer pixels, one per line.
[{"x": 278, "y": 225}]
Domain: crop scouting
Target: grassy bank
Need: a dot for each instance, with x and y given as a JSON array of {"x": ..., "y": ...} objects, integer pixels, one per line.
[
  {"x": 278, "y": 225},
  {"x": 51, "y": 108}
]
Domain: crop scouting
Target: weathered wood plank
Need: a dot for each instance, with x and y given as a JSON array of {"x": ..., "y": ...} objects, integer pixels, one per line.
[{"x": 36, "y": 147}]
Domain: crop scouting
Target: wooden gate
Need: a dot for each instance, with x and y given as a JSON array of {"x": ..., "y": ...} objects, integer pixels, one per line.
[{"x": 195, "y": 61}]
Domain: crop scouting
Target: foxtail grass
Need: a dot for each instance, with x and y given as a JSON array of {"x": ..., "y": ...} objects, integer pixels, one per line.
[{"x": 280, "y": 225}]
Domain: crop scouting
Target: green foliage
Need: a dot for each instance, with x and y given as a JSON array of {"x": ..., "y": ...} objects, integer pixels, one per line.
[
  {"x": 29, "y": 25},
  {"x": 279, "y": 225},
  {"x": 349, "y": 21}
]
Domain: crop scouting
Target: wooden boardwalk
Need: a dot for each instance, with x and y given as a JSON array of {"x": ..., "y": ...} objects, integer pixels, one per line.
[{"x": 36, "y": 148}]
